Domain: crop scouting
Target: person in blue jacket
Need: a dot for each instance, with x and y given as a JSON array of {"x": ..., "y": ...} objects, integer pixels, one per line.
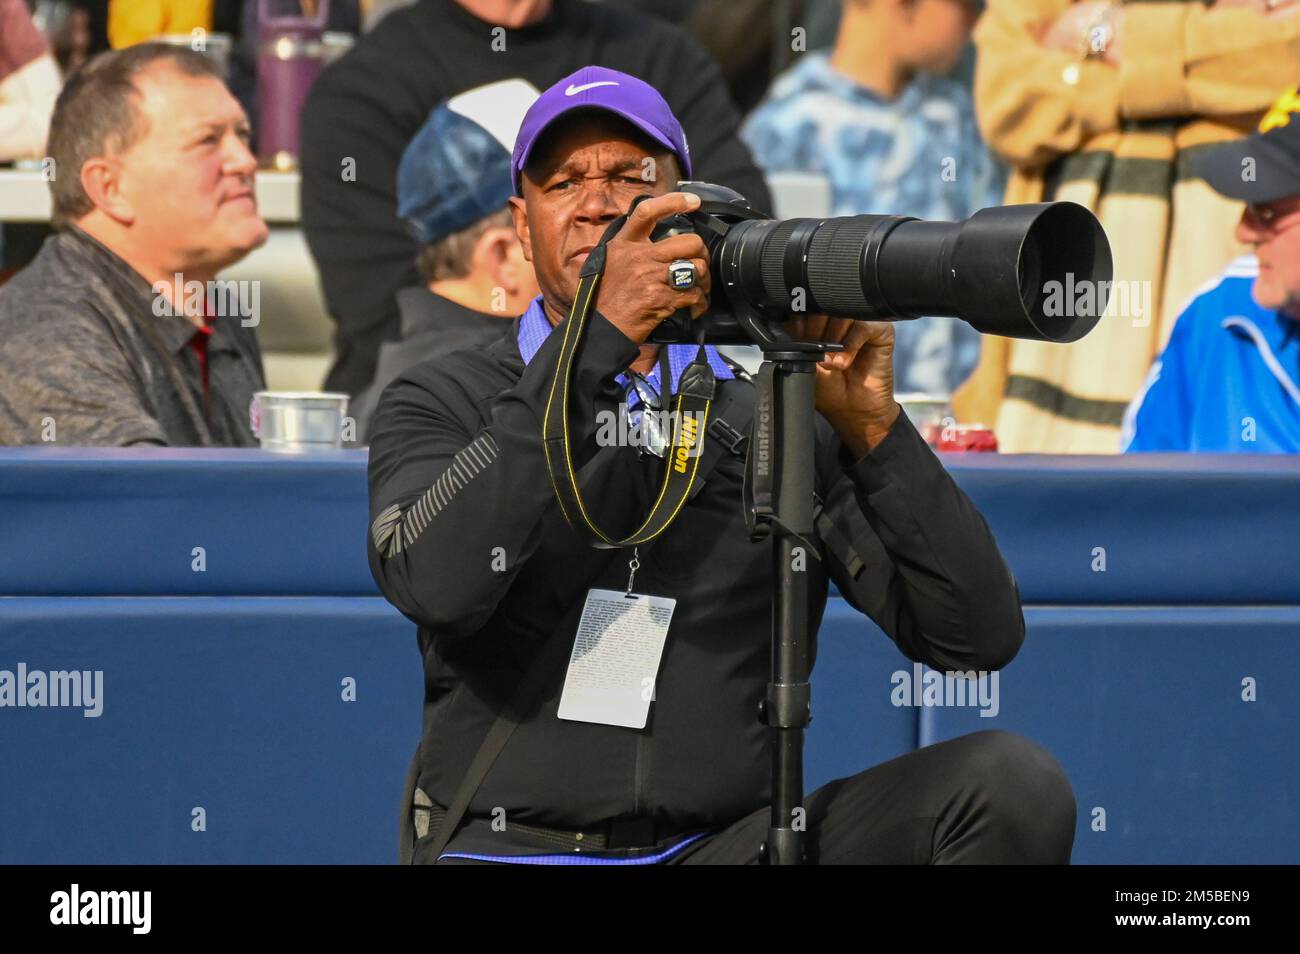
[{"x": 1228, "y": 380}]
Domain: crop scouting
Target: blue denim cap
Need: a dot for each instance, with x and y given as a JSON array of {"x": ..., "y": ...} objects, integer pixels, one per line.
[{"x": 456, "y": 171}]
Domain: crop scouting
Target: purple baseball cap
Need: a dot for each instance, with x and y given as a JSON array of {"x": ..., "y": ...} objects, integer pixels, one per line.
[{"x": 594, "y": 87}]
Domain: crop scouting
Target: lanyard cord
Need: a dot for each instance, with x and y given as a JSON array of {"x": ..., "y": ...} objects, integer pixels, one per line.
[{"x": 690, "y": 419}]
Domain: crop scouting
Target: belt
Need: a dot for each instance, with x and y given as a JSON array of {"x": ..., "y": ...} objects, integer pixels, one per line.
[{"x": 611, "y": 835}]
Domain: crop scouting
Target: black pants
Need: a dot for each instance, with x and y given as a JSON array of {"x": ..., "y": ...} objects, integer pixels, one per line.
[{"x": 986, "y": 798}]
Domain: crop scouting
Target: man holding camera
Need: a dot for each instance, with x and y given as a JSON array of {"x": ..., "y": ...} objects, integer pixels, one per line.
[{"x": 467, "y": 540}]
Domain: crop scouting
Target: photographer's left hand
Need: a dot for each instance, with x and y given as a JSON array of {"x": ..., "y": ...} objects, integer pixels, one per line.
[{"x": 855, "y": 387}]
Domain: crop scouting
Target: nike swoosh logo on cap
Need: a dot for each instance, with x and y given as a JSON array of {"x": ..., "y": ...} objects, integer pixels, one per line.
[{"x": 575, "y": 90}]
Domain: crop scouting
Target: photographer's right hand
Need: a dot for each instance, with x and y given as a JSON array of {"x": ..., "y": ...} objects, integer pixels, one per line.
[{"x": 635, "y": 295}]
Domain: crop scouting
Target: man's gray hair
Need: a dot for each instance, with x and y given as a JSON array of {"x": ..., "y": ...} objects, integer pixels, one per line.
[
  {"x": 96, "y": 114},
  {"x": 449, "y": 257}
]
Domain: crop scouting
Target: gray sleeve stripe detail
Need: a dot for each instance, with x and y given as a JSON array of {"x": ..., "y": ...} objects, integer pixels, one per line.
[
  {"x": 483, "y": 451},
  {"x": 381, "y": 531},
  {"x": 396, "y": 529}
]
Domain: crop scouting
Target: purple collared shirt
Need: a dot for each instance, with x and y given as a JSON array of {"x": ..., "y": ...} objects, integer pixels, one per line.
[{"x": 533, "y": 329}]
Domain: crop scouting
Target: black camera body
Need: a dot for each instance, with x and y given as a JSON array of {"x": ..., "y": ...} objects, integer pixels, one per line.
[{"x": 994, "y": 271}]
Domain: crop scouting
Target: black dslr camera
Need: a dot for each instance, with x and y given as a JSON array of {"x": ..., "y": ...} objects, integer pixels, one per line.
[{"x": 994, "y": 271}]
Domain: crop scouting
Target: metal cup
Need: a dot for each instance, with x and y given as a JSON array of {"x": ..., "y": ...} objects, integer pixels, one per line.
[{"x": 297, "y": 422}]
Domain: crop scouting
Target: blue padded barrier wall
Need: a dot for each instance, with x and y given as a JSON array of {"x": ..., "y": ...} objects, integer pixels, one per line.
[
  {"x": 1143, "y": 707},
  {"x": 1153, "y": 586},
  {"x": 235, "y": 706}
]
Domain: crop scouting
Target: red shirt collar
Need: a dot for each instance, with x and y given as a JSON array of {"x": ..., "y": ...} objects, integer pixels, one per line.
[{"x": 202, "y": 335}]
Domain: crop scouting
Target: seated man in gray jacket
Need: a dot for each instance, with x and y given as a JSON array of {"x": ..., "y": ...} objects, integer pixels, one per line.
[{"x": 119, "y": 332}]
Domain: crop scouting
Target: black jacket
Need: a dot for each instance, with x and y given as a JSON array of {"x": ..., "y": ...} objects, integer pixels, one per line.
[
  {"x": 430, "y": 325},
  {"x": 363, "y": 111},
  {"x": 457, "y": 469}
]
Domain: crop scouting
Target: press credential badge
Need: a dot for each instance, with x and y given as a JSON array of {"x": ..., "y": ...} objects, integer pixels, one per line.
[{"x": 615, "y": 658}]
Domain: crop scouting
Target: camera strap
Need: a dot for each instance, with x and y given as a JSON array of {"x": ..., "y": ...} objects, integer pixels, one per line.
[{"x": 689, "y": 417}]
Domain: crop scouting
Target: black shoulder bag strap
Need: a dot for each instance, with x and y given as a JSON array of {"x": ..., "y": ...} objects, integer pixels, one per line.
[
  {"x": 548, "y": 658},
  {"x": 728, "y": 432}
]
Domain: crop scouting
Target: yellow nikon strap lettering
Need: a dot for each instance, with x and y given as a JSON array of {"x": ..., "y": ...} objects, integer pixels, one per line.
[{"x": 690, "y": 420}]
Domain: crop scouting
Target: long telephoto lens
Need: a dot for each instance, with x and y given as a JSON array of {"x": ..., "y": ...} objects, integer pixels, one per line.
[{"x": 1002, "y": 270}]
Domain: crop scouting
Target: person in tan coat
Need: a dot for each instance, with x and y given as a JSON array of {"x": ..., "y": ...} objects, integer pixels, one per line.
[{"x": 1106, "y": 104}]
